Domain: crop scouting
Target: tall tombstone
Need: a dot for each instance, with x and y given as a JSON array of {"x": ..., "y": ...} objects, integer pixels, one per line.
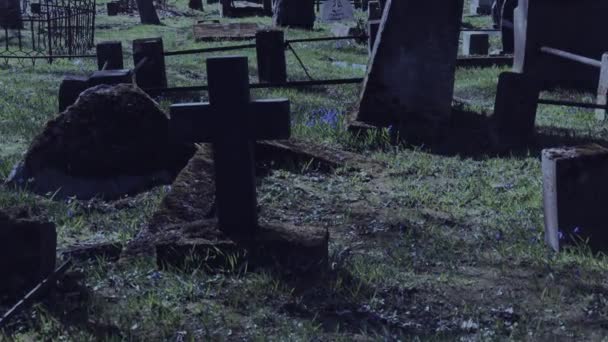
[
  {"x": 10, "y": 14},
  {"x": 294, "y": 13},
  {"x": 575, "y": 26},
  {"x": 410, "y": 79}
]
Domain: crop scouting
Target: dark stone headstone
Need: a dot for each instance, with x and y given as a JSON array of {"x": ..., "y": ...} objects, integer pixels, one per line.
[
  {"x": 70, "y": 90},
  {"x": 270, "y": 46},
  {"x": 113, "y": 8},
  {"x": 294, "y": 13},
  {"x": 481, "y": 7},
  {"x": 410, "y": 81},
  {"x": 27, "y": 252},
  {"x": 475, "y": 43},
  {"x": 572, "y": 26},
  {"x": 109, "y": 54},
  {"x": 575, "y": 192},
  {"x": 152, "y": 73}
]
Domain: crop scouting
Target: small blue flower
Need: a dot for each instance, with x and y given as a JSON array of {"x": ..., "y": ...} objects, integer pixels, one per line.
[
  {"x": 70, "y": 213},
  {"x": 577, "y": 230}
]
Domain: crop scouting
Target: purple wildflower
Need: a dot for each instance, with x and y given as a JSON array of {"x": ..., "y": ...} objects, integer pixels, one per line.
[
  {"x": 577, "y": 230},
  {"x": 560, "y": 234}
]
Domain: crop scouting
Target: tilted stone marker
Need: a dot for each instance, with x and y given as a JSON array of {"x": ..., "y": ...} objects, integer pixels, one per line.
[
  {"x": 575, "y": 193},
  {"x": 152, "y": 74},
  {"x": 337, "y": 10},
  {"x": 410, "y": 78},
  {"x": 109, "y": 55},
  {"x": 270, "y": 49},
  {"x": 573, "y": 26},
  {"x": 231, "y": 122}
]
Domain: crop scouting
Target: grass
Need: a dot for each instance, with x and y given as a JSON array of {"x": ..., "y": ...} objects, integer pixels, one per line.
[{"x": 438, "y": 247}]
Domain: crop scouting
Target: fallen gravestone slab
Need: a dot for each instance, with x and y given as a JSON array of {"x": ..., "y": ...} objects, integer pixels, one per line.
[
  {"x": 112, "y": 142},
  {"x": 27, "y": 253},
  {"x": 225, "y": 31}
]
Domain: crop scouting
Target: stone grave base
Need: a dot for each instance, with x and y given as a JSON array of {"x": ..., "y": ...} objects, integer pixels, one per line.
[{"x": 184, "y": 232}]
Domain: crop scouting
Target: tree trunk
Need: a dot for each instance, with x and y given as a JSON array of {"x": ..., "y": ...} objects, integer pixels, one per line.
[
  {"x": 147, "y": 12},
  {"x": 294, "y": 13}
]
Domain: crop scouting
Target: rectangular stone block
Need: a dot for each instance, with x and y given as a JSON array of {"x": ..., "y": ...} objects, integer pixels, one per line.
[
  {"x": 27, "y": 253},
  {"x": 575, "y": 193},
  {"x": 475, "y": 43}
]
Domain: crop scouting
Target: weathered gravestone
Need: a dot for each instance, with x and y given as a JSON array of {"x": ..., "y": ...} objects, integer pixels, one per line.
[
  {"x": 10, "y": 14},
  {"x": 294, "y": 13},
  {"x": 337, "y": 10},
  {"x": 27, "y": 252},
  {"x": 575, "y": 193},
  {"x": 410, "y": 78},
  {"x": 112, "y": 142},
  {"x": 475, "y": 43},
  {"x": 570, "y": 25}
]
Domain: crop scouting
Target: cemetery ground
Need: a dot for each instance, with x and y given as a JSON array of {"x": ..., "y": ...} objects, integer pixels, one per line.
[{"x": 426, "y": 242}]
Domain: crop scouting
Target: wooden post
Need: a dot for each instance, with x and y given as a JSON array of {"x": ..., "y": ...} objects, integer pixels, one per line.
[
  {"x": 270, "y": 47},
  {"x": 110, "y": 55},
  {"x": 602, "y": 90},
  {"x": 70, "y": 89}
]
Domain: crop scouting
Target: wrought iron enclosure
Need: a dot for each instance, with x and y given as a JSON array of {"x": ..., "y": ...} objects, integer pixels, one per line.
[{"x": 47, "y": 30}]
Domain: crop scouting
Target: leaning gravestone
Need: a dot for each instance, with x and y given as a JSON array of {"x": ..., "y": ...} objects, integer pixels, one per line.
[
  {"x": 337, "y": 10},
  {"x": 294, "y": 13},
  {"x": 112, "y": 142},
  {"x": 572, "y": 26},
  {"x": 410, "y": 78}
]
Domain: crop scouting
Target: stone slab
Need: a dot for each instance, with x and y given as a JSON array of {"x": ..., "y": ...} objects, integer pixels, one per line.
[
  {"x": 475, "y": 43},
  {"x": 410, "y": 80},
  {"x": 575, "y": 192},
  {"x": 225, "y": 31}
]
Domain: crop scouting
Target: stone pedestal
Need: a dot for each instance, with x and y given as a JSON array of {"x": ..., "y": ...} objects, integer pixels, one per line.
[
  {"x": 27, "y": 253},
  {"x": 575, "y": 192},
  {"x": 294, "y": 13},
  {"x": 475, "y": 43}
]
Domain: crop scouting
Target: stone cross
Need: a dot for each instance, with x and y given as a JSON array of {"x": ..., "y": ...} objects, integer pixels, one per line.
[{"x": 231, "y": 122}]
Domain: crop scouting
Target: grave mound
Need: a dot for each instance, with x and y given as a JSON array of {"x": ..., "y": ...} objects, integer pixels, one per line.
[{"x": 112, "y": 142}]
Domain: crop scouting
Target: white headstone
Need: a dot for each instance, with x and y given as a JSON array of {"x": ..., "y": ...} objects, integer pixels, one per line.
[{"x": 337, "y": 10}]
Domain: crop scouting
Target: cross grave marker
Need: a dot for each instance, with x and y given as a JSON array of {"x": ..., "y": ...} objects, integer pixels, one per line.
[{"x": 231, "y": 122}]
